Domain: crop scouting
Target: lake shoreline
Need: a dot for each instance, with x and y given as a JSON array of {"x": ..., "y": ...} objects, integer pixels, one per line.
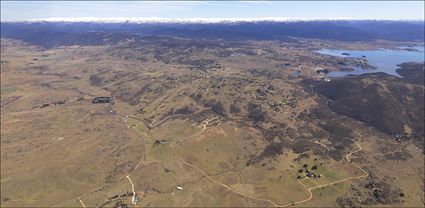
[{"x": 385, "y": 60}]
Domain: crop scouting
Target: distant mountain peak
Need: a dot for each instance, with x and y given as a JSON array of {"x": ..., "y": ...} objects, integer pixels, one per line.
[{"x": 141, "y": 20}]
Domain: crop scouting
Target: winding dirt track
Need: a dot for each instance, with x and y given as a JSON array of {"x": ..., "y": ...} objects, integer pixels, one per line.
[
  {"x": 309, "y": 190},
  {"x": 82, "y": 203},
  {"x": 133, "y": 199},
  {"x": 226, "y": 186},
  {"x": 268, "y": 200},
  {"x": 348, "y": 158}
]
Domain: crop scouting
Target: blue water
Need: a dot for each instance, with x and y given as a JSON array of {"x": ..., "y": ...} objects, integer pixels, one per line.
[{"x": 384, "y": 59}]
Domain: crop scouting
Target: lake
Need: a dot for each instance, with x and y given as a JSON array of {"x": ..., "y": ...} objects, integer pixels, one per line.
[{"x": 384, "y": 59}]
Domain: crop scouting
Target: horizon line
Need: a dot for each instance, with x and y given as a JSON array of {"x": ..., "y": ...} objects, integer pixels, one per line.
[{"x": 194, "y": 19}]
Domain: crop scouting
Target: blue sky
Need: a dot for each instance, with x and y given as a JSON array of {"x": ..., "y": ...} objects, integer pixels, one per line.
[{"x": 25, "y": 10}]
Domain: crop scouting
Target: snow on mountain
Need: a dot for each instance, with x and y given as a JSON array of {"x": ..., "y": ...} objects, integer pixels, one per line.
[{"x": 141, "y": 20}]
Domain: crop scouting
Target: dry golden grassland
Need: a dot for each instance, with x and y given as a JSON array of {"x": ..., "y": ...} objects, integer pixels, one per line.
[{"x": 81, "y": 153}]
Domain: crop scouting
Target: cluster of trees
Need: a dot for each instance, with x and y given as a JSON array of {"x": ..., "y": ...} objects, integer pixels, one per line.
[
  {"x": 255, "y": 113},
  {"x": 216, "y": 107}
]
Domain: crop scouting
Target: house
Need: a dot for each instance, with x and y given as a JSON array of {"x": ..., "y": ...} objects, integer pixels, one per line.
[
  {"x": 101, "y": 100},
  {"x": 60, "y": 102},
  {"x": 399, "y": 137}
]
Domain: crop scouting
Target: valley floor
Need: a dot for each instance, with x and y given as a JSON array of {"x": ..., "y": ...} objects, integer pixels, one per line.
[{"x": 175, "y": 135}]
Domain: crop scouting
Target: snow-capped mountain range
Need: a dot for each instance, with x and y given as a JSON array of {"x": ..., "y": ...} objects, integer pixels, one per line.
[{"x": 141, "y": 20}]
